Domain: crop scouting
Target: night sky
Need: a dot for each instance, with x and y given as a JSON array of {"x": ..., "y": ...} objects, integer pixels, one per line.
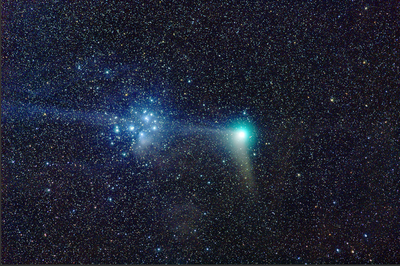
[{"x": 200, "y": 131}]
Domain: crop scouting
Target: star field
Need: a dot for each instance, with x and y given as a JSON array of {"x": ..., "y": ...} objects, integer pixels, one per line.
[{"x": 187, "y": 132}]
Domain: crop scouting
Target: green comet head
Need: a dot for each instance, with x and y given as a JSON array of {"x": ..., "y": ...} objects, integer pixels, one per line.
[
  {"x": 241, "y": 135},
  {"x": 244, "y": 132},
  {"x": 241, "y": 139}
]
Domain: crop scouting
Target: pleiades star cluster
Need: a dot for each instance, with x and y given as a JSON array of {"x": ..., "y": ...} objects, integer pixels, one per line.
[{"x": 200, "y": 132}]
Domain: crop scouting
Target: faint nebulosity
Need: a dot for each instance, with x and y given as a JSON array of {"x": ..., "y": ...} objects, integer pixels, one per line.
[{"x": 200, "y": 132}]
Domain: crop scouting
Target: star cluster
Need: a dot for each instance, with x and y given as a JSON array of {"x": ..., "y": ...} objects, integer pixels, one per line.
[
  {"x": 200, "y": 132},
  {"x": 135, "y": 132}
]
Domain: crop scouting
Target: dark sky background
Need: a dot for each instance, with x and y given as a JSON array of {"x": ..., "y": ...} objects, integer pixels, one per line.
[{"x": 119, "y": 121}]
